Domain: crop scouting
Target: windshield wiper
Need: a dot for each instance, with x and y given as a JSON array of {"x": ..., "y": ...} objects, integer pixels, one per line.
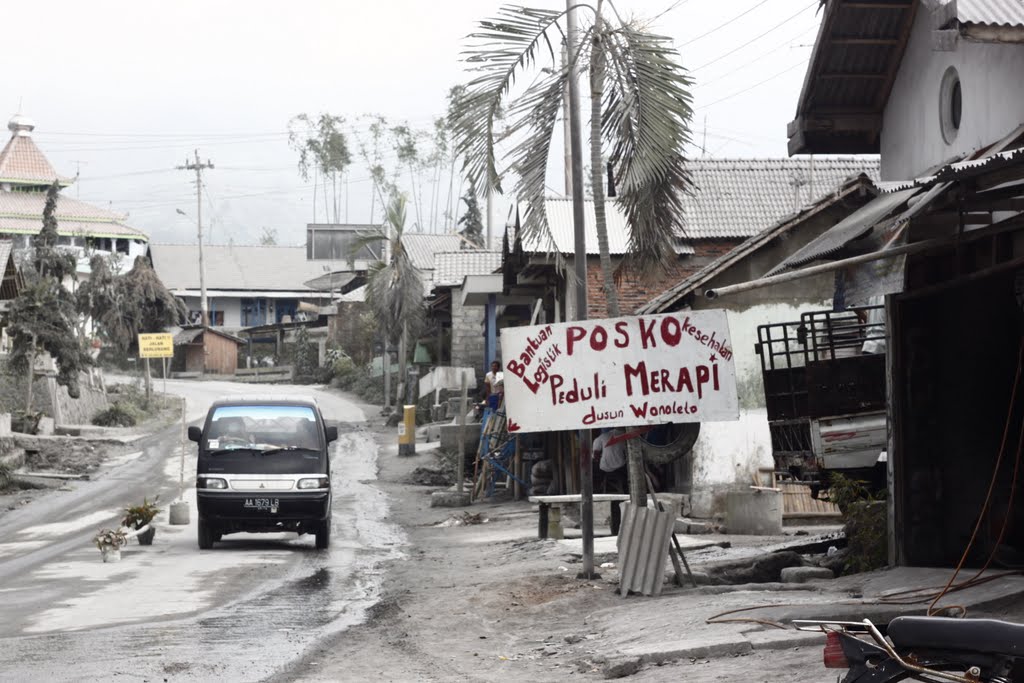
[
  {"x": 281, "y": 449},
  {"x": 221, "y": 451}
]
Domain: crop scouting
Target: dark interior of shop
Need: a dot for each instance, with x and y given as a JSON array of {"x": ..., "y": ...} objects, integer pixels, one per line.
[{"x": 958, "y": 354}]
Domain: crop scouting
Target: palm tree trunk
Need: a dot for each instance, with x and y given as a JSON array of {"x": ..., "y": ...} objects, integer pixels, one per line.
[
  {"x": 635, "y": 460},
  {"x": 402, "y": 352},
  {"x": 386, "y": 367},
  {"x": 30, "y": 373}
]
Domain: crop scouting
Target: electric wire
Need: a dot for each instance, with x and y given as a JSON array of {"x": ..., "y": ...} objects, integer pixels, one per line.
[
  {"x": 721, "y": 26},
  {"x": 756, "y": 38}
]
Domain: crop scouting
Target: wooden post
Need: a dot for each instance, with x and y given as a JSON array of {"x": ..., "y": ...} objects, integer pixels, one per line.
[
  {"x": 461, "y": 467},
  {"x": 149, "y": 382},
  {"x": 517, "y": 490}
]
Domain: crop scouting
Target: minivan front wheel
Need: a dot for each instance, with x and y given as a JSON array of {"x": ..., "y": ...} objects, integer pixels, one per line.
[
  {"x": 323, "y": 535},
  {"x": 206, "y": 535}
]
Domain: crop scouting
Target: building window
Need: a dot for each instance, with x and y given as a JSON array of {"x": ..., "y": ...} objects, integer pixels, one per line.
[{"x": 950, "y": 105}]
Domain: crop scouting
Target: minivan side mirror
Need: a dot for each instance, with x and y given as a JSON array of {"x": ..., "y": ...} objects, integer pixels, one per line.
[
  {"x": 195, "y": 434},
  {"x": 331, "y": 433}
]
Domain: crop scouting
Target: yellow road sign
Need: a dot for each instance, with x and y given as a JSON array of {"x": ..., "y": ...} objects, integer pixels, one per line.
[{"x": 159, "y": 345}]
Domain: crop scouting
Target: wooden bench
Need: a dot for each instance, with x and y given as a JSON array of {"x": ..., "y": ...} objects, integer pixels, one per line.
[{"x": 545, "y": 503}]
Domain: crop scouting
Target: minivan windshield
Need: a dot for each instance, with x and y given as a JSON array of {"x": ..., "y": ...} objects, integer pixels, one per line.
[{"x": 267, "y": 429}]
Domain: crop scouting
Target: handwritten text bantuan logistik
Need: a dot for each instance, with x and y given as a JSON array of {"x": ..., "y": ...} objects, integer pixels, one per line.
[{"x": 673, "y": 391}]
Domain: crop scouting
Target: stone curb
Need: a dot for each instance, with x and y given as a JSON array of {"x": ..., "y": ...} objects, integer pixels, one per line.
[{"x": 706, "y": 647}]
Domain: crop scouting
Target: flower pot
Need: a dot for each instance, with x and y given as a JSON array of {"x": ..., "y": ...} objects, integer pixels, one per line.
[
  {"x": 110, "y": 554},
  {"x": 146, "y": 537}
]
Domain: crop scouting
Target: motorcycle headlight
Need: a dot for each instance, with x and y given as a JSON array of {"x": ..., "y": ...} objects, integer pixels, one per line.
[
  {"x": 211, "y": 483},
  {"x": 313, "y": 483}
]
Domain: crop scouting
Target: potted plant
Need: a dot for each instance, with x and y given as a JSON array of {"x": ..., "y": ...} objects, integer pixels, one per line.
[
  {"x": 109, "y": 541},
  {"x": 139, "y": 516}
]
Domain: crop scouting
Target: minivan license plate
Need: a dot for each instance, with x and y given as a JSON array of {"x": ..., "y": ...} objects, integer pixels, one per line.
[{"x": 268, "y": 504}]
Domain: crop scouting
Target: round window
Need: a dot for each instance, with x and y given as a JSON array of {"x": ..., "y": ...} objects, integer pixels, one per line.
[{"x": 950, "y": 105}]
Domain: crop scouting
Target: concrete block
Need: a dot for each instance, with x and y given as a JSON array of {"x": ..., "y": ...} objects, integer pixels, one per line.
[
  {"x": 450, "y": 438},
  {"x": 805, "y": 574},
  {"x": 449, "y": 499},
  {"x": 46, "y": 426},
  {"x": 5, "y": 424},
  {"x": 755, "y": 513}
]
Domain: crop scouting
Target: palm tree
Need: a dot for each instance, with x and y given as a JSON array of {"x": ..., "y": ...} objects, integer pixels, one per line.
[
  {"x": 640, "y": 114},
  {"x": 394, "y": 286}
]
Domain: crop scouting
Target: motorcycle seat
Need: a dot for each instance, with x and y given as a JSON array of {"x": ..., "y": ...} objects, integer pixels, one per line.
[{"x": 989, "y": 636}]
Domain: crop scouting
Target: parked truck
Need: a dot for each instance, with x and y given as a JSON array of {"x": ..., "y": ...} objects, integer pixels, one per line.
[{"x": 824, "y": 388}]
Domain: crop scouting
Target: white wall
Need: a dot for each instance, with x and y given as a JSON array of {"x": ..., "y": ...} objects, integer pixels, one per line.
[
  {"x": 992, "y": 81},
  {"x": 728, "y": 454},
  {"x": 232, "y": 307}
]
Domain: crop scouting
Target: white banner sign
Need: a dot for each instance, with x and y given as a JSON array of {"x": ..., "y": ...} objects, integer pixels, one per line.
[{"x": 675, "y": 367}]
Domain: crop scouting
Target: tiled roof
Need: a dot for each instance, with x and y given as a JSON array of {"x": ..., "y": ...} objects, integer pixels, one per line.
[
  {"x": 731, "y": 198},
  {"x": 422, "y": 246},
  {"x": 560, "y": 221},
  {"x": 233, "y": 267},
  {"x": 741, "y": 197},
  {"x": 670, "y": 298},
  {"x": 21, "y": 163},
  {"x": 451, "y": 268},
  {"x": 22, "y": 213}
]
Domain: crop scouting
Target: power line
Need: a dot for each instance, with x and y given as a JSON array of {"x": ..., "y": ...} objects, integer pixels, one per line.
[
  {"x": 755, "y": 85},
  {"x": 719, "y": 77},
  {"x": 721, "y": 26},
  {"x": 756, "y": 38}
]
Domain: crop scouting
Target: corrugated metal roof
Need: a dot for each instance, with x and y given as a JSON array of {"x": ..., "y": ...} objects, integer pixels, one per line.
[
  {"x": 6, "y": 247},
  {"x": 857, "y": 224},
  {"x": 1008, "y": 13},
  {"x": 451, "y": 268},
  {"x": 422, "y": 246},
  {"x": 22, "y": 213},
  {"x": 667, "y": 299},
  {"x": 731, "y": 198},
  {"x": 233, "y": 267}
]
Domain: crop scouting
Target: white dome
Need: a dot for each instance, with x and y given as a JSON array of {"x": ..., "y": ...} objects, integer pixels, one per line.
[{"x": 21, "y": 125}]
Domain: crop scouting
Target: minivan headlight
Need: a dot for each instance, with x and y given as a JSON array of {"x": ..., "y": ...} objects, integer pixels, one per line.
[
  {"x": 211, "y": 483},
  {"x": 313, "y": 483}
]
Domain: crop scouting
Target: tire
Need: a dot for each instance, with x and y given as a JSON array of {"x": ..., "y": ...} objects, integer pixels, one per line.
[
  {"x": 323, "y": 535},
  {"x": 205, "y": 535},
  {"x": 684, "y": 437}
]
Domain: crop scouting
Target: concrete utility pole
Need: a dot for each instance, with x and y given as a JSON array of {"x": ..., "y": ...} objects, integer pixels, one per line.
[
  {"x": 580, "y": 256},
  {"x": 198, "y": 167}
]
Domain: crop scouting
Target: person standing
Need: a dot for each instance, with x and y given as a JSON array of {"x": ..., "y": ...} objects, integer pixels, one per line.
[{"x": 494, "y": 383}]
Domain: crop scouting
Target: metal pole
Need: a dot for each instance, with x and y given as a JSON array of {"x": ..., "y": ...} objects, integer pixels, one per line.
[
  {"x": 203, "y": 306},
  {"x": 580, "y": 256},
  {"x": 461, "y": 463}
]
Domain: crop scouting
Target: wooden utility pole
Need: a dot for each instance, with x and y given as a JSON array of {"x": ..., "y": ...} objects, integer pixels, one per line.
[{"x": 199, "y": 167}]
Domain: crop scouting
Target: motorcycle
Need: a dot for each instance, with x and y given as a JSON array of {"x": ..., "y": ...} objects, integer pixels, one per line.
[{"x": 924, "y": 649}]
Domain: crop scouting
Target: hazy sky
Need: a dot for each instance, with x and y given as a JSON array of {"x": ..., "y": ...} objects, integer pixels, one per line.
[{"x": 122, "y": 92}]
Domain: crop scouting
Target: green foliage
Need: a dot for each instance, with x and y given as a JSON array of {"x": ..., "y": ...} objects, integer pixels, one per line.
[
  {"x": 138, "y": 516},
  {"x": 118, "y": 415},
  {"x": 6, "y": 476},
  {"x": 305, "y": 354},
  {"x": 866, "y": 520},
  {"x": 268, "y": 237}
]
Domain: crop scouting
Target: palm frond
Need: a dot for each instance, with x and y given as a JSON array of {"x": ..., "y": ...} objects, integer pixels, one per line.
[
  {"x": 537, "y": 113},
  {"x": 647, "y": 113},
  {"x": 504, "y": 47}
]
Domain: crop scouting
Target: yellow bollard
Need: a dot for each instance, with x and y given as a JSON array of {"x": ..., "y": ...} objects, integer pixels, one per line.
[{"x": 407, "y": 431}]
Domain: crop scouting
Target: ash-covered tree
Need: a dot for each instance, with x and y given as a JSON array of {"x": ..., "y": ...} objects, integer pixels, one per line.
[
  {"x": 124, "y": 306},
  {"x": 42, "y": 320},
  {"x": 472, "y": 224},
  {"x": 394, "y": 286}
]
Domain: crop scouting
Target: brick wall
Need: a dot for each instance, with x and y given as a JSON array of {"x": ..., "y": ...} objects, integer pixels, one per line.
[{"x": 635, "y": 289}]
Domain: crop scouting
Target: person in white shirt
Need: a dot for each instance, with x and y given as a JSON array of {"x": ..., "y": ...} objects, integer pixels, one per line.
[
  {"x": 494, "y": 382},
  {"x": 611, "y": 460}
]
